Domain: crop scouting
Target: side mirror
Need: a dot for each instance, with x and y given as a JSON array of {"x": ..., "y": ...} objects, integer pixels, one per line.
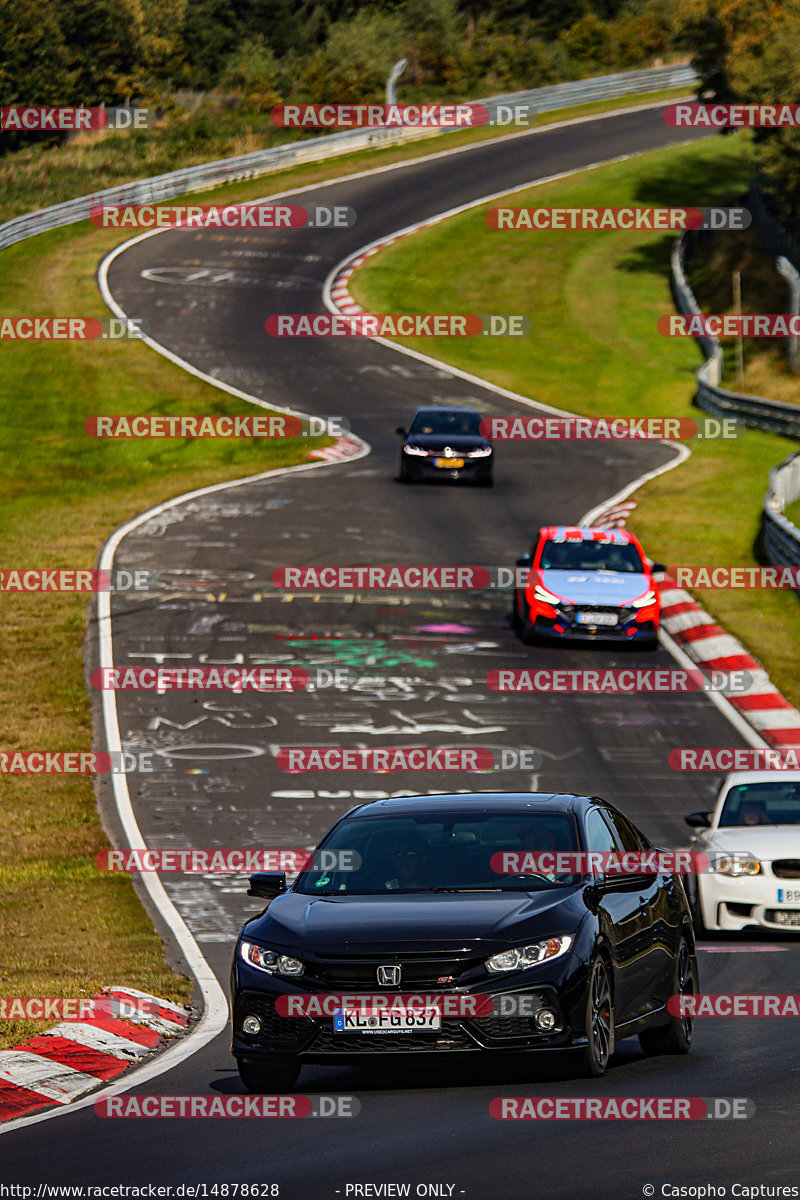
[
  {"x": 658, "y": 568},
  {"x": 267, "y": 884},
  {"x": 525, "y": 561},
  {"x": 698, "y": 820},
  {"x": 403, "y": 432}
]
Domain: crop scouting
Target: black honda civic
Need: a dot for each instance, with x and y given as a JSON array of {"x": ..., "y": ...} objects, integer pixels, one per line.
[
  {"x": 446, "y": 443},
  {"x": 445, "y": 925}
]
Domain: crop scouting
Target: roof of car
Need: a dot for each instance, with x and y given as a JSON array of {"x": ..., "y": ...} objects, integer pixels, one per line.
[
  {"x": 776, "y": 776},
  {"x": 441, "y": 408},
  {"x": 476, "y": 802}
]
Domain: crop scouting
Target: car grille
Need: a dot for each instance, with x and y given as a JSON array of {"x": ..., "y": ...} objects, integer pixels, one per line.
[
  {"x": 786, "y": 868},
  {"x": 289, "y": 1032},
  {"x": 452, "y": 1037},
  {"x": 498, "y": 1026},
  {"x": 783, "y": 916},
  {"x": 418, "y": 972}
]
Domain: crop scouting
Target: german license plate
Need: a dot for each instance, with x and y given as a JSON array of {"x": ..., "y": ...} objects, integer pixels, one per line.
[
  {"x": 597, "y": 618},
  {"x": 789, "y": 896},
  {"x": 451, "y": 463},
  {"x": 385, "y": 1020}
]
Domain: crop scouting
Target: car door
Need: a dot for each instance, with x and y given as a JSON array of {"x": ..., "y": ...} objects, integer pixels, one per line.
[
  {"x": 659, "y": 904},
  {"x": 622, "y": 920}
]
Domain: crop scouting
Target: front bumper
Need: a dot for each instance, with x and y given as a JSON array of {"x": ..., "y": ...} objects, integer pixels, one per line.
[
  {"x": 735, "y": 904},
  {"x": 474, "y": 469},
  {"x": 565, "y": 626},
  {"x": 560, "y": 988}
]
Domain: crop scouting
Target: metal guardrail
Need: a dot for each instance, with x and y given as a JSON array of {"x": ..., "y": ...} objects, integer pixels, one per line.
[
  {"x": 781, "y": 537},
  {"x": 754, "y": 411},
  {"x": 260, "y": 162}
]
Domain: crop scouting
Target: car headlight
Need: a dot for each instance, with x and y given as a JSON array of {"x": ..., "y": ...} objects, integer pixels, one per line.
[
  {"x": 415, "y": 450},
  {"x": 643, "y": 601},
  {"x": 529, "y": 956},
  {"x": 270, "y": 961},
  {"x": 481, "y": 452},
  {"x": 541, "y": 593},
  {"x": 737, "y": 867}
]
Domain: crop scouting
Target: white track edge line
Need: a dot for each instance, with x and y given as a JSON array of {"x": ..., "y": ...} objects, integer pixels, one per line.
[{"x": 173, "y": 1055}]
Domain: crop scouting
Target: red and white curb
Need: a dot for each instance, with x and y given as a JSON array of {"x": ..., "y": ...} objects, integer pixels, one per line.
[
  {"x": 339, "y": 288},
  {"x": 762, "y": 705},
  {"x": 616, "y": 516},
  {"x": 79, "y": 1054},
  {"x": 342, "y": 449}
]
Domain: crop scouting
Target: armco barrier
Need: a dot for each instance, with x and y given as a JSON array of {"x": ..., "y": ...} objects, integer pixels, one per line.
[
  {"x": 260, "y": 162},
  {"x": 781, "y": 537},
  {"x": 755, "y": 411}
]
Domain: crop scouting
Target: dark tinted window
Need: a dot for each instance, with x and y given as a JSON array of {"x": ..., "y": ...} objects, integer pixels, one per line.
[
  {"x": 599, "y": 832},
  {"x": 764, "y": 803},
  {"x": 461, "y": 422},
  {"x": 423, "y": 852},
  {"x": 629, "y": 836},
  {"x": 590, "y": 556}
]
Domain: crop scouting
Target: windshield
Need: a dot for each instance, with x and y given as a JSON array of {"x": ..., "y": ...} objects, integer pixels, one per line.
[
  {"x": 766, "y": 803},
  {"x": 443, "y": 852},
  {"x": 448, "y": 423},
  {"x": 590, "y": 556}
]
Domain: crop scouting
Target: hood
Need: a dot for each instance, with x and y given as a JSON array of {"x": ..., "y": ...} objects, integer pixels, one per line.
[
  {"x": 763, "y": 841},
  {"x": 415, "y": 922},
  {"x": 438, "y": 441},
  {"x": 595, "y": 587}
]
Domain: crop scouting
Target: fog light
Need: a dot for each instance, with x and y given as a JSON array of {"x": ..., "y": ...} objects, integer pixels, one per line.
[
  {"x": 546, "y": 1020},
  {"x": 251, "y": 1025}
]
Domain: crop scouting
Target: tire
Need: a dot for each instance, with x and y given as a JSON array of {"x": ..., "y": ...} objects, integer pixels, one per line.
[
  {"x": 698, "y": 924},
  {"x": 675, "y": 1038},
  {"x": 599, "y": 1021},
  {"x": 270, "y": 1075},
  {"x": 522, "y": 623}
]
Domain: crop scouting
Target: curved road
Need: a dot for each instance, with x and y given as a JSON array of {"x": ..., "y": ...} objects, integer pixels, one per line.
[{"x": 422, "y": 662}]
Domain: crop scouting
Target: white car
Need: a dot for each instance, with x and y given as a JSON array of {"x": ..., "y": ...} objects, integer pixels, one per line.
[{"x": 752, "y": 839}]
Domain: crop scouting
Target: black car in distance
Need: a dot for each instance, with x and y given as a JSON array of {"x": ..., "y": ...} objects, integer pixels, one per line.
[
  {"x": 446, "y": 443},
  {"x": 431, "y": 896}
]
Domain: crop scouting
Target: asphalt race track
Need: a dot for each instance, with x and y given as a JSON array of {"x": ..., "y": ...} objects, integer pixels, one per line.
[{"x": 422, "y": 661}]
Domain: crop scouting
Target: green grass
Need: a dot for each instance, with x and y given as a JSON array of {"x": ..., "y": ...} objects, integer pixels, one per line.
[
  {"x": 593, "y": 299},
  {"x": 65, "y": 927},
  {"x": 792, "y": 512},
  {"x": 35, "y": 177}
]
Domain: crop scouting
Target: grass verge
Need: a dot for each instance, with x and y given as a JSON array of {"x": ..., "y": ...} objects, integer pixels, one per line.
[
  {"x": 36, "y": 177},
  {"x": 710, "y": 272},
  {"x": 593, "y": 299},
  {"x": 67, "y": 928}
]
